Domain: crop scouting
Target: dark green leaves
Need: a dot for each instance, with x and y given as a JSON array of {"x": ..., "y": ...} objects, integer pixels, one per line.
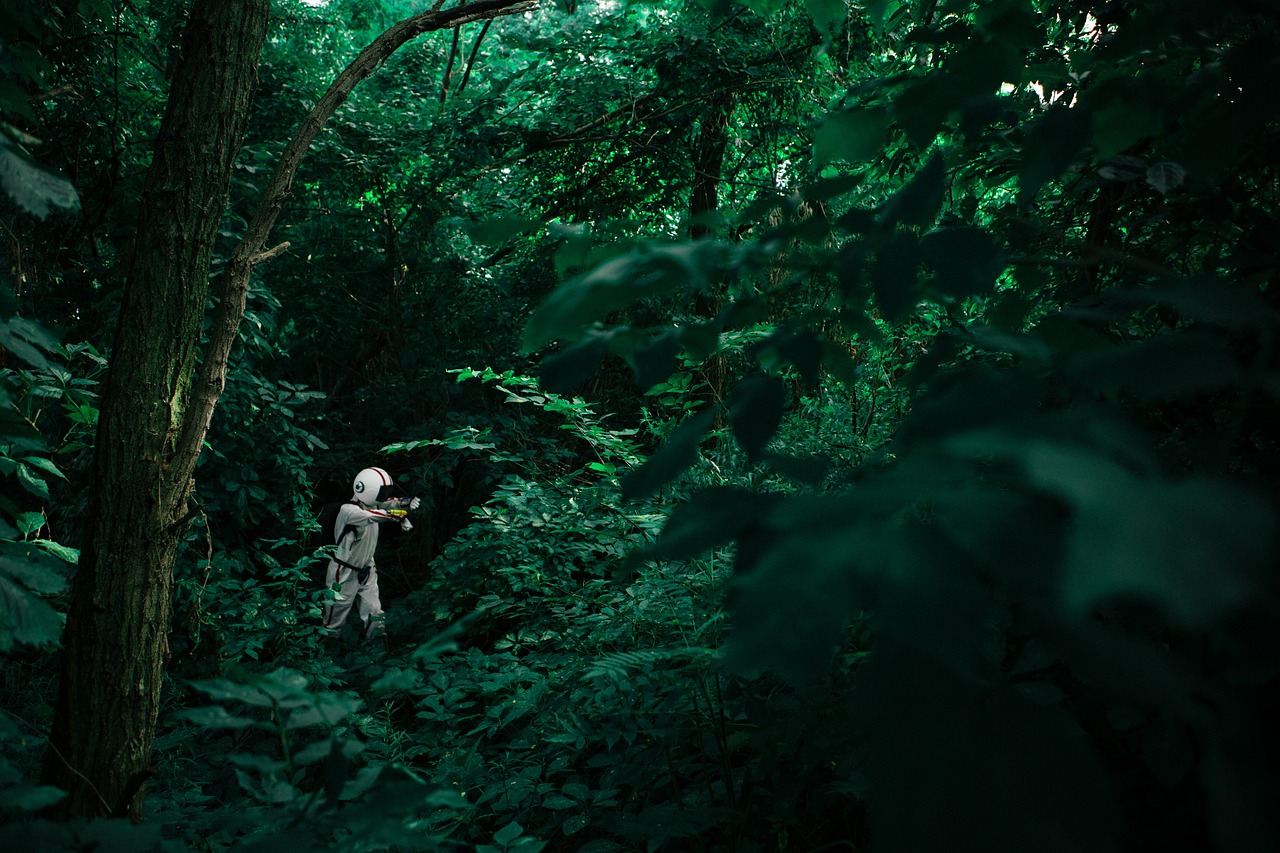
[
  {"x": 1196, "y": 548},
  {"x": 649, "y": 271},
  {"x": 27, "y": 574},
  {"x": 1053, "y": 142},
  {"x": 755, "y": 411},
  {"x": 677, "y": 453},
  {"x": 965, "y": 261},
  {"x": 34, "y": 188},
  {"x": 851, "y": 136},
  {"x": 918, "y": 202}
]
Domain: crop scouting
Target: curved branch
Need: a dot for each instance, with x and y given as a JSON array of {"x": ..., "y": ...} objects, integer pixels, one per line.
[{"x": 235, "y": 278}]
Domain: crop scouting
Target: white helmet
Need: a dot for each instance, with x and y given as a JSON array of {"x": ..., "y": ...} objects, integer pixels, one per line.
[{"x": 368, "y": 484}]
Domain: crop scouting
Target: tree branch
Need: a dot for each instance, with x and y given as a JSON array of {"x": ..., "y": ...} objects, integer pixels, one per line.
[
  {"x": 234, "y": 283},
  {"x": 448, "y": 68},
  {"x": 471, "y": 60}
]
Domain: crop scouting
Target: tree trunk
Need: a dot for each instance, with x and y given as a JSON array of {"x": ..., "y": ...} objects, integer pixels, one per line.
[
  {"x": 155, "y": 408},
  {"x": 117, "y": 628}
]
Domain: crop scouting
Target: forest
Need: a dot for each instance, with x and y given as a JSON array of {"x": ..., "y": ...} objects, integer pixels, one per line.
[{"x": 839, "y": 425}]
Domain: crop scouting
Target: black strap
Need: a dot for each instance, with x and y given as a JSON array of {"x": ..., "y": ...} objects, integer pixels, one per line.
[
  {"x": 346, "y": 530},
  {"x": 362, "y": 574}
]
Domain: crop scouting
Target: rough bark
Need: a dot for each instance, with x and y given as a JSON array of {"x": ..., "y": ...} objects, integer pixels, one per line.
[
  {"x": 157, "y": 405},
  {"x": 117, "y": 628}
]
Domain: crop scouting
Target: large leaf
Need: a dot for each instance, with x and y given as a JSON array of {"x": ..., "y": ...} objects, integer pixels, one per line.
[
  {"x": 965, "y": 261},
  {"x": 1053, "y": 143},
  {"x": 565, "y": 370},
  {"x": 711, "y": 518},
  {"x": 755, "y": 411},
  {"x": 919, "y": 201},
  {"x": 895, "y": 275},
  {"x": 1195, "y": 548},
  {"x": 25, "y": 618},
  {"x": 677, "y": 453},
  {"x": 851, "y": 136},
  {"x": 35, "y": 189},
  {"x": 646, "y": 272}
]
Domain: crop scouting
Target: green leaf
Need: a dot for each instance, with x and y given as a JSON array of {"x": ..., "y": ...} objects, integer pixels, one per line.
[
  {"x": 30, "y": 522},
  {"x": 508, "y": 833},
  {"x": 851, "y": 136},
  {"x": 564, "y": 371},
  {"x": 260, "y": 763},
  {"x": 1196, "y": 548},
  {"x": 25, "y": 798},
  {"x": 33, "y": 484},
  {"x": 921, "y": 109},
  {"x": 32, "y": 568},
  {"x": 329, "y": 710},
  {"x": 895, "y": 275},
  {"x": 1053, "y": 142},
  {"x": 12, "y": 339},
  {"x": 919, "y": 201},
  {"x": 558, "y": 802},
  {"x": 1161, "y": 367},
  {"x": 44, "y": 465},
  {"x": 575, "y": 823},
  {"x": 965, "y": 261},
  {"x": 711, "y": 518},
  {"x": 648, "y": 271},
  {"x": 25, "y": 618},
  {"x": 32, "y": 187},
  {"x": 828, "y": 15},
  {"x": 68, "y": 555},
  {"x": 676, "y": 454},
  {"x": 656, "y": 359},
  {"x": 755, "y": 411},
  {"x": 1166, "y": 176},
  {"x": 497, "y": 230},
  {"x": 811, "y": 470},
  {"x": 1123, "y": 116},
  {"x": 214, "y": 717}
]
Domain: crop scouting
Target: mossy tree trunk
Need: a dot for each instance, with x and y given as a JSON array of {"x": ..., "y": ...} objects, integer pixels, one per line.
[
  {"x": 116, "y": 639},
  {"x": 158, "y": 402}
]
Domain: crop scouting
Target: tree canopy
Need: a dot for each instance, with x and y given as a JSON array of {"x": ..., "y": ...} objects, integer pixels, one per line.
[{"x": 838, "y": 426}]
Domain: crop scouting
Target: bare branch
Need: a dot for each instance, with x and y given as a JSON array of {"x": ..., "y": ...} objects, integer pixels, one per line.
[
  {"x": 471, "y": 60},
  {"x": 269, "y": 253}
]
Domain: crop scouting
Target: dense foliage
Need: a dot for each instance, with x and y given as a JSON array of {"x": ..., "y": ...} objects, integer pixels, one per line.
[{"x": 837, "y": 426}]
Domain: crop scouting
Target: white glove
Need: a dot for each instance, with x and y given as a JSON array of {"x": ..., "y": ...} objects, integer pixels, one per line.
[
  {"x": 414, "y": 503},
  {"x": 406, "y": 525}
]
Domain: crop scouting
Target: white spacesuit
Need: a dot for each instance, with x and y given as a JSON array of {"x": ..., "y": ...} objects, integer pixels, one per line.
[{"x": 352, "y": 565}]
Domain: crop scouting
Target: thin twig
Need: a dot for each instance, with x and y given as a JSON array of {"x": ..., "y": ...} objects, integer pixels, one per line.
[{"x": 471, "y": 60}]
